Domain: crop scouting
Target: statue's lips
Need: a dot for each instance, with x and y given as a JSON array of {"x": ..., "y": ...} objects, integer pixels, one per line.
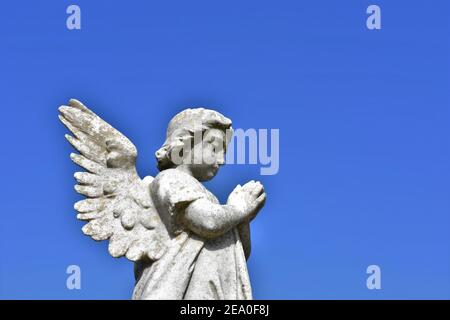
[{"x": 213, "y": 166}]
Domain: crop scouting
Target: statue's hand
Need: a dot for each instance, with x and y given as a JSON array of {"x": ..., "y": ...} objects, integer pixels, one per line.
[{"x": 249, "y": 198}]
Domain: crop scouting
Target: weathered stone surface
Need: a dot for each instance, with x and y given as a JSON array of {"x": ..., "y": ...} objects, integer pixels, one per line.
[{"x": 184, "y": 243}]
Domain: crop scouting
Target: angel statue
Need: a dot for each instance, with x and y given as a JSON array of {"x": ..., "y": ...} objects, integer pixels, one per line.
[{"x": 184, "y": 243}]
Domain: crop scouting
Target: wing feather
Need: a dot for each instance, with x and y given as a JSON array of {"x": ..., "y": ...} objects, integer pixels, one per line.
[{"x": 118, "y": 205}]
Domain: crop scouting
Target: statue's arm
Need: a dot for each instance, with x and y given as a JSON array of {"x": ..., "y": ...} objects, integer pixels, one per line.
[{"x": 210, "y": 220}]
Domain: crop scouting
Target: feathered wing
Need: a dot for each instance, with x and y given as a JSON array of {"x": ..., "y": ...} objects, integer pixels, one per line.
[{"x": 118, "y": 205}]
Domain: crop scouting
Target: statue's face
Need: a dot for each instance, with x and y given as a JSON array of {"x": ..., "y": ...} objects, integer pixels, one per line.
[{"x": 208, "y": 156}]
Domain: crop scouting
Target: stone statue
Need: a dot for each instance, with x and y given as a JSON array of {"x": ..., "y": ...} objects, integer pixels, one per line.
[{"x": 184, "y": 243}]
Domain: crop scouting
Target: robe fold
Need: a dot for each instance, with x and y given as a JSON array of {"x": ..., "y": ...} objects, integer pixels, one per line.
[{"x": 192, "y": 267}]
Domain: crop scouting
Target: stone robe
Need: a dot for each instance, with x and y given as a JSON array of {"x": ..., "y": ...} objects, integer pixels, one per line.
[{"x": 192, "y": 267}]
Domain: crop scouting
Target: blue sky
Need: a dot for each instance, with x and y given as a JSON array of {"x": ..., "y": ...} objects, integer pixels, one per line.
[{"x": 364, "y": 135}]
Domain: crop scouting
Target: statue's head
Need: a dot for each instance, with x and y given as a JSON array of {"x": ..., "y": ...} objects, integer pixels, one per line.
[{"x": 196, "y": 138}]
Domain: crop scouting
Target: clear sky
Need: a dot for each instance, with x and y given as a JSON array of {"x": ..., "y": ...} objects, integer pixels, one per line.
[{"x": 364, "y": 135}]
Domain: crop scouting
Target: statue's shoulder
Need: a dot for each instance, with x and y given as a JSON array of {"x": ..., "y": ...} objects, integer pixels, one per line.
[
  {"x": 173, "y": 185},
  {"x": 173, "y": 178},
  {"x": 171, "y": 191}
]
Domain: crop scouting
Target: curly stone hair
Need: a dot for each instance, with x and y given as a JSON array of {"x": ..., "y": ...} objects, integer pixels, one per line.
[{"x": 182, "y": 128}]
